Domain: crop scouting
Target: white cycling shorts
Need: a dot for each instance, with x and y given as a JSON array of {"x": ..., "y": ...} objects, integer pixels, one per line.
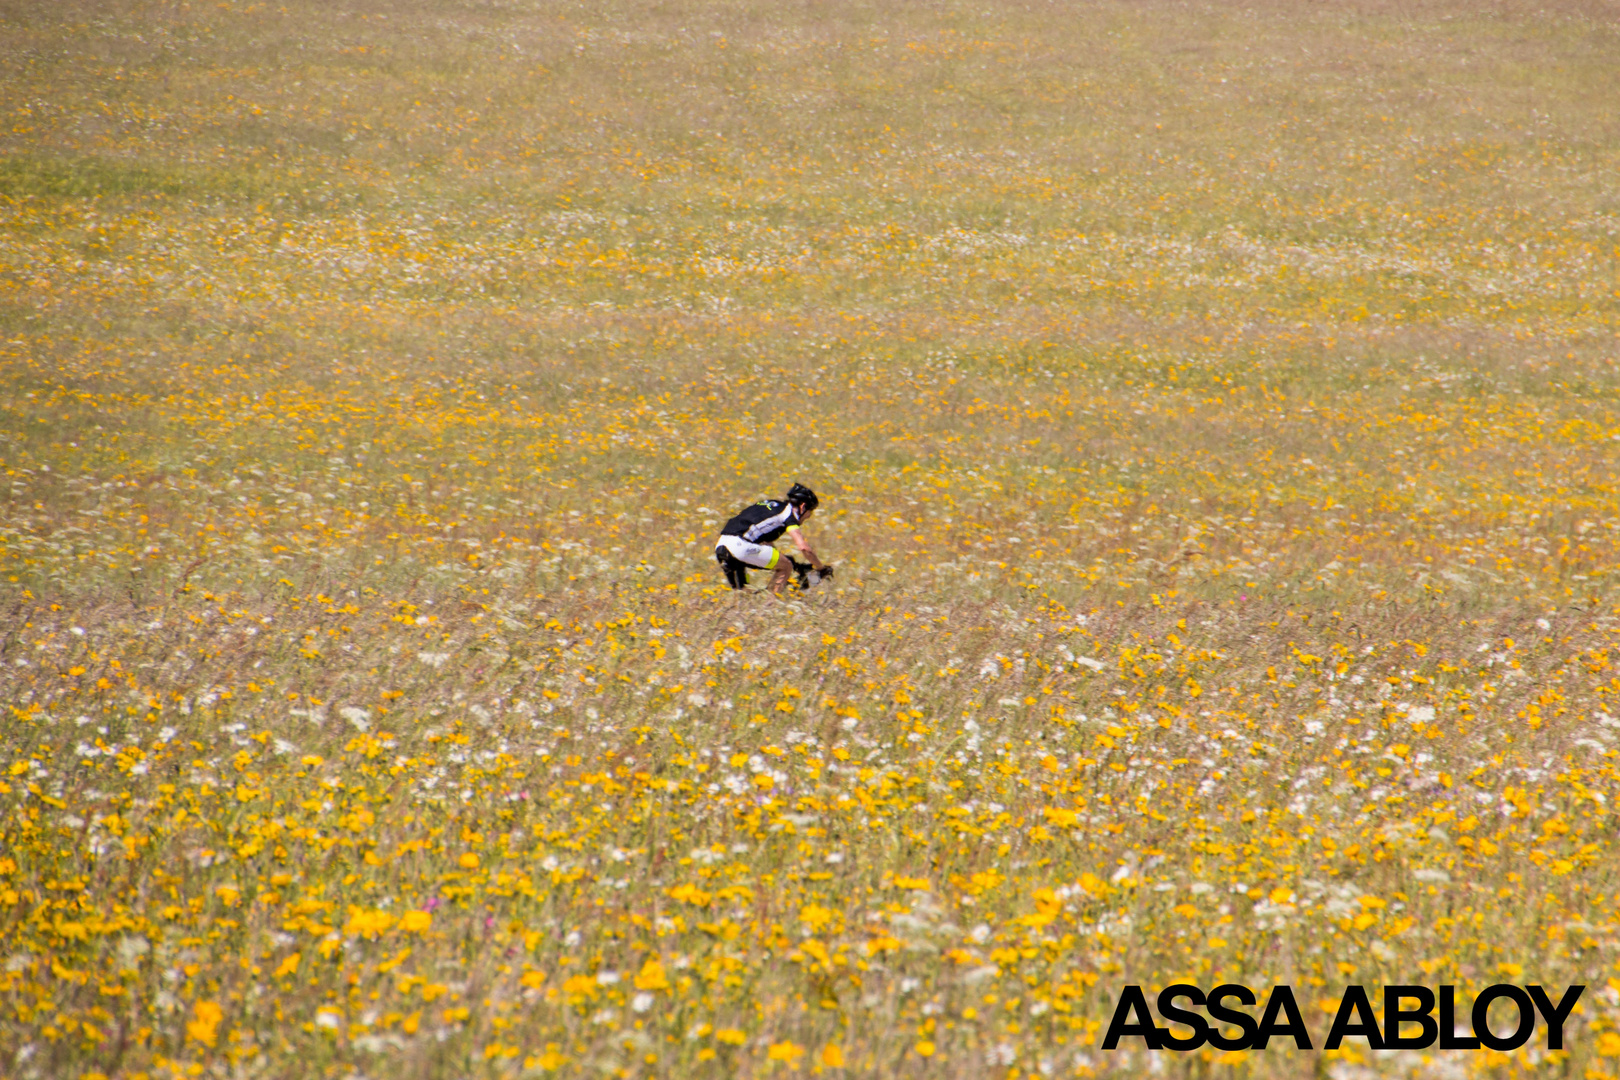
[{"x": 760, "y": 556}]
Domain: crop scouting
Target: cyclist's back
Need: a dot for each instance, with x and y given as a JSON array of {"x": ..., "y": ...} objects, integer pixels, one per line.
[{"x": 762, "y": 522}]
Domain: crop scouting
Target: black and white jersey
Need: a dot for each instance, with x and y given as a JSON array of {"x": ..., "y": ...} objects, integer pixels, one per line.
[{"x": 763, "y": 522}]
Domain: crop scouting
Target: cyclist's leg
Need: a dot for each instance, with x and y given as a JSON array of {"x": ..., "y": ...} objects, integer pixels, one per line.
[
  {"x": 736, "y": 573},
  {"x": 782, "y": 572},
  {"x": 745, "y": 554}
]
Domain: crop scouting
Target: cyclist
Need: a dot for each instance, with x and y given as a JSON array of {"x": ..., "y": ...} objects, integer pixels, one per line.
[{"x": 746, "y": 541}]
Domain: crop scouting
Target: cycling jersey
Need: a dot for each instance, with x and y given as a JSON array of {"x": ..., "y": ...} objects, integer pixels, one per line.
[{"x": 763, "y": 522}]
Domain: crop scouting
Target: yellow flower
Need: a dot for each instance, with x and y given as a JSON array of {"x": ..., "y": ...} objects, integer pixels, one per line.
[
  {"x": 579, "y": 988},
  {"x": 652, "y": 976},
  {"x": 368, "y": 924},
  {"x": 204, "y": 1025},
  {"x": 416, "y": 921},
  {"x": 784, "y": 1051},
  {"x": 691, "y": 894},
  {"x": 549, "y": 1061},
  {"x": 815, "y": 916}
]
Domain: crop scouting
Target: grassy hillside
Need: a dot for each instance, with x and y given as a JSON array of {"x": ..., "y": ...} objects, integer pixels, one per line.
[{"x": 1215, "y": 412}]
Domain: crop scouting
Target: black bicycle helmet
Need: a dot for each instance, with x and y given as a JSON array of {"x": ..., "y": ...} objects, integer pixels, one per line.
[{"x": 801, "y": 496}]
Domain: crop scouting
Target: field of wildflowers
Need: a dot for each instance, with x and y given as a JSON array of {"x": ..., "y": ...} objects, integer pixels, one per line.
[{"x": 1215, "y": 415}]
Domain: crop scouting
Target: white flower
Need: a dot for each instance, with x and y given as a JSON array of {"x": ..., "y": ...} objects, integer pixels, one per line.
[
  {"x": 641, "y": 1002},
  {"x": 131, "y": 947}
]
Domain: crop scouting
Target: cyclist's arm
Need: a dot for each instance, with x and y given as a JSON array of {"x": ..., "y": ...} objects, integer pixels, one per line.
[{"x": 799, "y": 542}]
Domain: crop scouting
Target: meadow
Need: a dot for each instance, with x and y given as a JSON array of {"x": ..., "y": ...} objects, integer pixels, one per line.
[{"x": 1215, "y": 414}]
